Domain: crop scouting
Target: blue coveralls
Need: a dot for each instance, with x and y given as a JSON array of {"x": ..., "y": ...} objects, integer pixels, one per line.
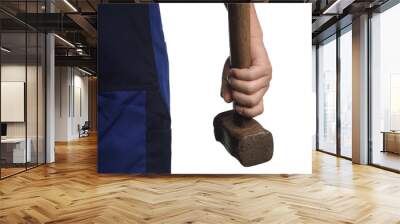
[{"x": 134, "y": 123}]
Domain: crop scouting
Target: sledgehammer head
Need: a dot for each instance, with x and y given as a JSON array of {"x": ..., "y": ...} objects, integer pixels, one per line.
[{"x": 247, "y": 141}]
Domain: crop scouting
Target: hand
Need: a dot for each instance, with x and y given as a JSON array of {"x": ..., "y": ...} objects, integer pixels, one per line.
[{"x": 247, "y": 87}]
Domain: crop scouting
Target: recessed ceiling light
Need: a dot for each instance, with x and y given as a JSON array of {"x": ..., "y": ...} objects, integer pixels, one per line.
[
  {"x": 65, "y": 41},
  {"x": 338, "y": 6},
  {"x": 84, "y": 71},
  {"x": 5, "y": 50},
  {"x": 70, "y": 5}
]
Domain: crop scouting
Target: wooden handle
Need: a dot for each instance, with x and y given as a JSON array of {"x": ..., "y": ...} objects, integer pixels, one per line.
[
  {"x": 239, "y": 39},
  {"x": 239, "y": 34}
]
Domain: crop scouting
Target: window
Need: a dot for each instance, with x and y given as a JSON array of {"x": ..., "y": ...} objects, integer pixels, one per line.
[
  {"x": 385, "y": 89},
  {"x": 346, "y": 93},
  {"x": 327, "y": 96}
]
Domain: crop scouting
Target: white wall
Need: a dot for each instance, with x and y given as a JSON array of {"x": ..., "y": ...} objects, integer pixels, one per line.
[
  {"x": 16, "y": 73},
  {"x": 13, "y": 101},
  {"x": 62, "y": 82},
  {"x": 70, "y": 83},
  {"x": 80, "y": 89}
]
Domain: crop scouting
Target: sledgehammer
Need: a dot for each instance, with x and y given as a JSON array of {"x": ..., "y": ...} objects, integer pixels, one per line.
[{"x": 244, "y": 138}]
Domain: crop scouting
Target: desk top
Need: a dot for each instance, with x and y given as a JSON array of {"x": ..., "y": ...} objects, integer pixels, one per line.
[
  {"x": 391, "y": 132},
  {"x": 13, "y": 140}
]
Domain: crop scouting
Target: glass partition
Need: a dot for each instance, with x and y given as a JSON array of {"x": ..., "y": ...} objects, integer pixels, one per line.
[
  {"x": 385, "y": 89},
  {"x": 22, "y": 88},
  {"x": 327, "y": 96},
  {"x": 13, "y": 105}
]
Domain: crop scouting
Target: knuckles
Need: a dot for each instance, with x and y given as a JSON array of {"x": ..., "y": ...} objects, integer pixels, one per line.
[
  {"x": 258, "y": 111},
  {"x": 250, "y": 88},
  {"x": 250, "y": 112},
  {"x": 253, "y": 101},
  {"x": 246, "y": 100}
]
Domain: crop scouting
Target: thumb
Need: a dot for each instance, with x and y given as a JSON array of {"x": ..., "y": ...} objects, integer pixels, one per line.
[{"x": 226, "y": 92}]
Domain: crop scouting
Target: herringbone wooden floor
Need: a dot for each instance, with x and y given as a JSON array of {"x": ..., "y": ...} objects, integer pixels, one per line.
[{"x": 70, "y": 191}]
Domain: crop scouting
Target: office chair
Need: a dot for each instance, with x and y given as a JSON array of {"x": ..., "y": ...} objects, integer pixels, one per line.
[{"x": 84, "y": 130}]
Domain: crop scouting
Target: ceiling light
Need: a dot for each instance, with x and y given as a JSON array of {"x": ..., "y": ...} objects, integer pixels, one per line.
[
  {"x": 65, "y": 41},
  {"x": 70, "y": 5},
  {"x": 5, "y": 50},
  {"x": 84, "y": 71},
  {"x": 338, "y": 6},
  {"x": 79, "y": 51}
]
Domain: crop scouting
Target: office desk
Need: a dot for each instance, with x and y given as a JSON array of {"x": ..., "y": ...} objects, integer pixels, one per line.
[
  {"x": 13, "y": 150},
  {"x": 391, "y": 141}
]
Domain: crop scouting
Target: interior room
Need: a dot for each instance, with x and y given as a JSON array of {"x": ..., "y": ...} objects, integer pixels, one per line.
[
  {"x": 48, "y": 150},
  {"x": 22, "y": 100},
  {"x": 335, "y": 68},
  {"x": 24, "y": 57},
  {"x": 385, "y": 88}
]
